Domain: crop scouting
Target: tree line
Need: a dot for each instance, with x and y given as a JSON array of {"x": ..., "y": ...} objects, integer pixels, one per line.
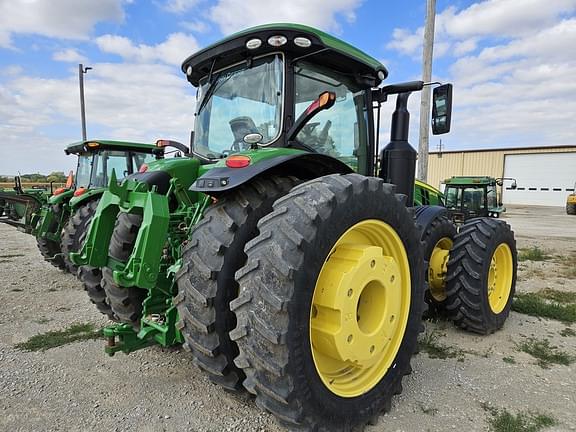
[{"x": 56, "y": 177}]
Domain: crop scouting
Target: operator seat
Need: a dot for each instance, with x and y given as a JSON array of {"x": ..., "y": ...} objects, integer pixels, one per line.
[{"x": 241, "y": 126}]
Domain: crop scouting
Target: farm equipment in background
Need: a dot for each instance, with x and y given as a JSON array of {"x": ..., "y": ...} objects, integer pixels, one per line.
[
  {"x": 284, "y": 254},
  {"x": 19, "y": 206},
  {"x": 67, "y": 213},
  {"x": 571, "y": 202},
  {"x": 471, "y": 197}
]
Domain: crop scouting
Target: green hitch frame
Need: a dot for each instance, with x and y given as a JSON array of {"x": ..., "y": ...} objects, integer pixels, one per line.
[{"x": 154, "y": 260}]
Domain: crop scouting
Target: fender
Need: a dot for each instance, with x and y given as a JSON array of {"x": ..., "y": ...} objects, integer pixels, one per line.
[
  {"x": 303, "y": 165},
  {"x": 424, "y": 215},
  {"x": 61, "y": 197},
  {"x": 90, "y": 194}
]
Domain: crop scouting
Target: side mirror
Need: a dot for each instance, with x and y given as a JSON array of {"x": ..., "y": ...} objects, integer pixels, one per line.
[
  {"x": 161, "y": 143},
  {"x": 441, "y": 109},
  {"x": 325, "y": 101},
  {"x": 514, "y": 185}
]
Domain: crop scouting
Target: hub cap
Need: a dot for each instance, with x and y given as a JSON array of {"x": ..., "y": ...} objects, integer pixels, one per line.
[
  {"x": 360, "y": 308},
  {"x": 500, "y": 278}
]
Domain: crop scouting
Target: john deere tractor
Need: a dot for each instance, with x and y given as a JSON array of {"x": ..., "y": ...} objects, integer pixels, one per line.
[
  {"x": 471, "y": 197},
  {"x": 65, "y": 217},
  {"x": 300, "y": 262}
]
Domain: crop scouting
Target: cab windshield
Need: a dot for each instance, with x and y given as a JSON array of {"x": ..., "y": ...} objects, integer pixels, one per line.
[
  {"x": 95, "y": 169},
  {"x": 238, "y": 101}
]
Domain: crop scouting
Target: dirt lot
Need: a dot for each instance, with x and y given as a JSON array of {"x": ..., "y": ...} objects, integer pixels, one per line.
[{"x": 77, "y": 387}]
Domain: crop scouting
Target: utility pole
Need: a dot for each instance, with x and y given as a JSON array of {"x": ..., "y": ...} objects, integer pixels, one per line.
[
  {"x": 81, "y": 71},
  {"x": 425, "y": 101}
]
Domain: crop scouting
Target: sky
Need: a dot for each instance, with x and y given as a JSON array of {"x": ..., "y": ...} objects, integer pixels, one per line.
[{"x": 512, "y": 63}]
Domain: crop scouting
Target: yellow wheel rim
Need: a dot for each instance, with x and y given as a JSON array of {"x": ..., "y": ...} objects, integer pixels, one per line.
[
  {"x": 500, "y": 278},
  {"x": 360, "y": 308},
  {"x": 438, "y": 267}
]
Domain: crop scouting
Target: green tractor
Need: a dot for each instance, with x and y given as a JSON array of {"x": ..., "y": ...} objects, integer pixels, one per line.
[
  {"x": 286, "y": 254},
  {"x": 472, "y": 197},
  {"x": 63, "y": 220},
  {"x": 19, "y": 206}
]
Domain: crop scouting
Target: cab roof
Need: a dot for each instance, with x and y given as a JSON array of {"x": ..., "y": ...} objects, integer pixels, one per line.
[
  {"x": 470, "y": 180},
  {"x": 325, "y": 49},
  {"x": 93, "y": 145}
]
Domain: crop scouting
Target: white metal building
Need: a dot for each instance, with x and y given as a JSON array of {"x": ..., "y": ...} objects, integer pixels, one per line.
[{"x": 545, "y": 175}]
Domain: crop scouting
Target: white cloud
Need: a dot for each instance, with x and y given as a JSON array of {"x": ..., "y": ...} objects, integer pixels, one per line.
[
  {"x": 512, "y": 69},
  {"x": 233, "y": 15},
  {"x": 131, "y": 101},
  {"x": 180, "y": 6},
  {"x": 68, "y": 19},
  {"x": 69, "y": 55},
  {"x": 195, "y": 26},
  {"x": 172, "y": 51}
]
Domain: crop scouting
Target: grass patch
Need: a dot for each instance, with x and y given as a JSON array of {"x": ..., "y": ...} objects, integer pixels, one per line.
[
  {"x": 509, "y": 360},
  {"x": 429, "y": 343},
  {"x": 53, "y": 339},
  {"x": 567, "y": 332},
  {"x": 504, "y": 421},
  {"x": 557, "y": 295},
  {"x": 533, "y": 254},
  {"x": 533, "y": 304},
  {"x": 545, "y": 353}
]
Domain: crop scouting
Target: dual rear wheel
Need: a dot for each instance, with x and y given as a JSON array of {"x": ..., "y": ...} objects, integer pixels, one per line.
[
  {"x": 471, "y": 272},
  {"x": 314, "y": 297}
]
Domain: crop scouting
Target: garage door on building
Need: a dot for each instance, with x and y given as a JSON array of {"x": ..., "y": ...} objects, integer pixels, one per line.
[{"x": 543, "y": 178}]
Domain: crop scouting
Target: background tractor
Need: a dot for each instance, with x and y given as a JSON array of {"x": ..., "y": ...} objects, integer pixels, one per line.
[
  {"x": 286, "y": 253},
  {"x": 571, "y": 202},
  {"x": 64, "y": 218},
  {"x": 471, "y": 197}
]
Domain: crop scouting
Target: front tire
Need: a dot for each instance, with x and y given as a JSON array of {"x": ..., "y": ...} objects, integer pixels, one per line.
[
  {"x": 571, "y": 208},
  {"x": 481, "y": 278},
  {"x": 206, "y": 283},
  {"x": 330, "y": 303},
  {"x": 75, "y": 231}
]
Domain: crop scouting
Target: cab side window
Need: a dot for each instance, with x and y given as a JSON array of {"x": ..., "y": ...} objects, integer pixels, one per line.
[{"x": 340, "y": 131}]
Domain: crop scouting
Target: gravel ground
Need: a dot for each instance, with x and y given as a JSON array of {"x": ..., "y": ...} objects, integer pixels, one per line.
[{"x": 77, "y": 387}]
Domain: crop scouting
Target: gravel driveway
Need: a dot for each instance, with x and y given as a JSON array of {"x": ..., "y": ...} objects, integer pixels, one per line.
[{"x": 77, "y": 387}]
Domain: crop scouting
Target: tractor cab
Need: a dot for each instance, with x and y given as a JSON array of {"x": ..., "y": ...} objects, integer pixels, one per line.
[
  {"x": 97, "y": 159},
  {"x": 470, "y": 197},
  {"x": 293, "y": 87}
]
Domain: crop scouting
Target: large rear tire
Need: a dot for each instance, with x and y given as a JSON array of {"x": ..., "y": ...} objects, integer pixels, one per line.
[
  {"x": 571, "y": 208},
  {"x": 481, "y": 278},
  {"x": 50, "y": 249},
  {"x": 125, "y": 302},
  {"x": 330, "y": 303},
  {"x": 206, "y": 283}
]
